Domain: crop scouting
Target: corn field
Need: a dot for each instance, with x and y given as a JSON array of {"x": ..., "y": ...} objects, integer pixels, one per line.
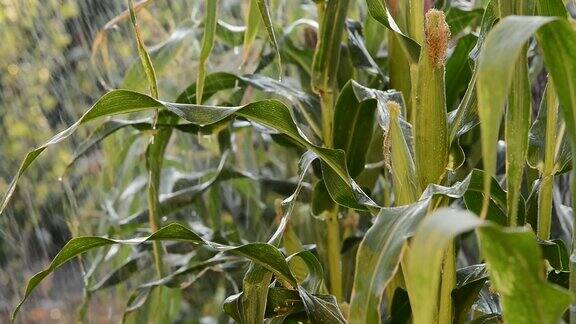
[{"x": 327, "y": 161}]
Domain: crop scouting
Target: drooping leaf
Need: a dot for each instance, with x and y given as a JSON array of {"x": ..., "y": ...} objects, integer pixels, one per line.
[
  {"x": 321, "y": 310},
  {"x": 270, "y": 113},
  {"x": 516, "y": 271},
  {"x": 179, "y": 199},
  {"x": 425, "y": 259},
  {"x": 315, "y": 278},
  {"x": 378, "y": 10},
  {"x": 231, "y": 35},
  {"x": 262, "y": 253},
  {"x": 381, "y": 249}
]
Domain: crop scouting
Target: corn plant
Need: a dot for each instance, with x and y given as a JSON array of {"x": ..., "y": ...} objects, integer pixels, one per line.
[{"x": 360, "y": 172}]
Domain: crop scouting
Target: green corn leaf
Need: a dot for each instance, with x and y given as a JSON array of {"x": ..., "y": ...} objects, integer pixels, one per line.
[
  {"x": 321, "y": 310},
  {"x": 326, "y": 62},
  {"x": 280, "y": 303},
  {"x": 264, "y": 8},
  {"x": 401, "y": 162},
  {"x": 321, "y": 200},
  {"x": 144, "y": 125},
  {"x": 378, "y": 257},
  {"x": 270, "y": 113},
  {"x": 120, "y": 274},
  {"x": 461, "y": 18},
  {"x": 186, "y": 275},
  {"x": 161, "y": 305},
  {"x": 498, "y": 199},
  {"x": 556, "y": 254},
  {"x": 465, "y": 117},
  {"x": 516, "y": 272},
  {"x": 513, "y": 260},
  {"x": 459, "y": 70},
  {"x": 255, "y": 286},
  {"x": 549, "y": 152},
  {"x": 207, "y": 44},
  {"x": 186, "y": 191},
  {"x": 143, "y": 54},
  {"x": 427, "y": 251},
  {"x": 518, "y": 117},
  {"x": 256, "y": 281},
  {"x": 378, "y": 11},
  {"x": 470, "y": 281},
  {"x": 172, "y": 202},
  {"x": 553, "y": 8},
  {"x": 262, "y": 253},
  {"x": 496, "y": 67},
  {"x": 381, "y": 250},
  {"x": 537, "y": 148},
  {"x": 155, "y": 150},
  {"x": 399, "y": 68},
  {"x": 253, "y": 23},
  {"x": 160, "y": 56},
  {"x": 359, "y": 54},
  {"x": 314, "y": 281},
  {"x": 231, "y": 35},
  {"x": 353, "y": 127}
]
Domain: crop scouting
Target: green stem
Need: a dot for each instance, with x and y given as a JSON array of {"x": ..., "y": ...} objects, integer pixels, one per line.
[
  {"x": 545, "y": 194},
  {"x": 327, "y": 116},
  {"x": 333, "y": 226},
  {"x": 573, "y": 254},
  {"x": 153, "y": 157},
  {"x": 333, "y": 247},
  {"x": 447, "y": 285},
  {"x": 153, "y": 219},
  {"x": 325, "y": 68}
]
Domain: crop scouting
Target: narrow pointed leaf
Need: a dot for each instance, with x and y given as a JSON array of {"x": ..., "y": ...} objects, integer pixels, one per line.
[{"x": 207, "y": 45}]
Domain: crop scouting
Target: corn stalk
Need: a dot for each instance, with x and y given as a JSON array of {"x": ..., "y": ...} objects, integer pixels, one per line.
[{"x": 324, "y": 76}]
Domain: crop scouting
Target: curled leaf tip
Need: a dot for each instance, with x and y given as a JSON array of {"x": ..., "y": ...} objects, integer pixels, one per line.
[{"x": 437, "y": 35}]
